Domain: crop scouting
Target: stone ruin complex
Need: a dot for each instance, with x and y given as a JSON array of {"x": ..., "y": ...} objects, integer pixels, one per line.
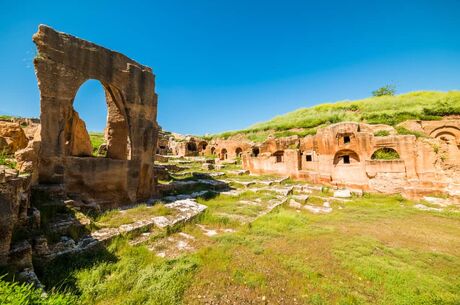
[
  {"x": 347, "y": 155},
  {"x": 53, "y": 155}
]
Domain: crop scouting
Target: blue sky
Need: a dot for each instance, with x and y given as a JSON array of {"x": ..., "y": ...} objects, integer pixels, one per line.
[{"x": 223, "y": 65}]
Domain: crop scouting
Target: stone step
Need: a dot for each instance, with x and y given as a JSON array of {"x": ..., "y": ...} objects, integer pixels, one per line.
[{"x": 186, "y": 210}]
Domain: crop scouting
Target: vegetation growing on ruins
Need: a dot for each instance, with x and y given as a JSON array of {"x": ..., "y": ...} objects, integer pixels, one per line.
[
  {"x": 386, "y": 109},
  {"x": 5, "y": 159},
  {"x": 385, "y": 154},
  {"x": 382, "y": 133},
  {"x": 404, "y": 131}
]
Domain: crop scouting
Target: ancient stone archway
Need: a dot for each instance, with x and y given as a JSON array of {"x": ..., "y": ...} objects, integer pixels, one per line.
[
  {"x": 385, "y": 153},
  {"x": 191, "y": 147},
  {"x": 345, "y": 157},
  {"x": 238, "y": 152},
  {"x": 213, "y": 150},
  {"x": 116, "y": 132},
  {"x": 223, "y": 154},
  {"x": 255, "y": 151},
  {"x": 202, "y": 147},
  {"x": 62, "y": 65},
  {"x": 451, "y": 130}
]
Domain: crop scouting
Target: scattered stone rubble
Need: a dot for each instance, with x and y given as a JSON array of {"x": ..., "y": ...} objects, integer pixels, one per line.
[{"x": 184, "y": 211}]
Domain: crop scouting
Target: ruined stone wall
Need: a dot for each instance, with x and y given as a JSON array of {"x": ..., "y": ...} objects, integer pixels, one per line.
[
  {"x": 62, "y": 65},
  {"x": 342, "y": 155},
  {"x": 229, "y": 149},
  {"x": 14, "y": 210}
]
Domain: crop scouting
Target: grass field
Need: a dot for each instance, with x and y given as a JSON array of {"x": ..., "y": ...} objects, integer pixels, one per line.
[
  {"x": 97, "y": 138},
  {"x": 372, "y": 250},
  {"x": 391, "y": 110}
]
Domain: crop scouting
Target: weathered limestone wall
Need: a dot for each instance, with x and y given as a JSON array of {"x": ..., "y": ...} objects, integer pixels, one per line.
[
  {"x": 228, "y": 149},
  {"x": 12, "y": 137},
  {"x": 62, "y": 65},
  {"x": 341, "y": 155},
  {"x": 267, "y": 163},
  {"x": 14, "y": 208}
]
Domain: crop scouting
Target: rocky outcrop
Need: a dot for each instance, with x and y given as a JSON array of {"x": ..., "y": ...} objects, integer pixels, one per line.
[
  {"x": 80, "y": 142},
  {"x": 27, "y": 158},
  {"x": 12, "y": 137}
]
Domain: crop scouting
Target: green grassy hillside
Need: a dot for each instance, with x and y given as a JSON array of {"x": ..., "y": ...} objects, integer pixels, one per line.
[{"x": 391, "y": 110}]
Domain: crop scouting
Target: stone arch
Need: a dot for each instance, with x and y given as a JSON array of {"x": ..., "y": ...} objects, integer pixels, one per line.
[
  {"x": 255, "y": 151},
  {"x": 117, "y": 133},
  {"x": 191, "y": 146},
  {"x": 447, "y": 137},
  {"x": 62, "y": 65},
  {"x": 448, "y": 134},
  {"x": 238, "y": 152},
  {"x": 223, "y": 154},
  {"x": 213, "y": 150},
  {"x": 345, "y": 157},
  {"x": 385, "y": 153},
  {"x": 202, "y": 146},
  {"x": 450, "y": 131}
]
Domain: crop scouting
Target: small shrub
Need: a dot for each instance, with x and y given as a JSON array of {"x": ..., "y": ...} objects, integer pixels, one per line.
[
  {"x": 5, "y": 160},
  {"x": 385, "y": 154},
  {"x": 382, "y": 133},
  {"x": 404, "y": 131},
  {"x": 385, "y": 90}
]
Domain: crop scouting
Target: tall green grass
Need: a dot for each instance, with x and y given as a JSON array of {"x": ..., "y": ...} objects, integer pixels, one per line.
[
  {"x": 13, "y": 293},
  {"x": 97, "y": 139},
  {"x": 138, "y": 277},
  {"x": 391, "y": 110}
]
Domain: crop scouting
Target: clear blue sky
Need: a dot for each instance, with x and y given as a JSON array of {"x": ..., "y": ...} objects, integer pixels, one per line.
[{"x": 224, "y": 65}]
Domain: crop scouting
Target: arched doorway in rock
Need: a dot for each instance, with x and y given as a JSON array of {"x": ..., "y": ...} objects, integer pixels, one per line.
[
  {"x": 385, "y": 153},
  {"x": 255, "y": 151},
  {"x": 213, "y": 151},
  {"x": 202, "y": 147},
  {"x": 238, "y": 152},
  {"x": 223, "y": 154},
  {"x": 346, "y": 157},
  {"x": 449, "y": 137},
  {"x": 348, "y": 168},
  {"x": 279, "y": 156},
  {"x": 109, "y": 133},
  {"x": 191, "y": 147}
]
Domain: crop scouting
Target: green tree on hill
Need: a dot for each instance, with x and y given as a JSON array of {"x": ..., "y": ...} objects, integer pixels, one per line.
[{"x": 385, "y": 90}]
